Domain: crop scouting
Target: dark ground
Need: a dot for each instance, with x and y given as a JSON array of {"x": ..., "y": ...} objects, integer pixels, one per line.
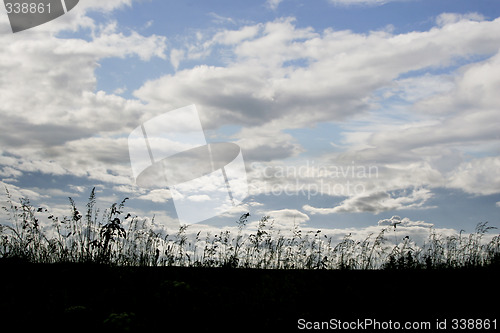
[{"x": 86, "y": 298}]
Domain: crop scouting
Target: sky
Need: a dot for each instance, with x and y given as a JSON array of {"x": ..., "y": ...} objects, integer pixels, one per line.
[{"x": 347, "y": 112}]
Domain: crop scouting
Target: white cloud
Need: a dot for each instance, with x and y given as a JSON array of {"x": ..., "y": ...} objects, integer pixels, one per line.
[
  {"x": 55, "y": 192},
  {"x": 417, "y": 88},
  {"x": 77, "y": 188},
  {"x": 108, "y": 42},
  {"x": 17, "y": 193},
  {"x": 449, "y": 18},
  {"x": 377, "y": 202},
  {"x": 320, "y": 211},
  {"x": 219, "y": 19},
  {"x": 9, "y": 172},
  {"x": 264, "y": 143},
  {"x": 119, "y": 91},
  {"x": 479, "y": 176},
  {"x": 232, "y": 37},
  {"x": 447, "y": 140},
  {"x": 158, "y": 196},
  {"x": 176, "y": 57},
  {"x": 277, "y": 77},
  {"x": 199, "y": 198},
  {"x": 399, "y": 222},
  {"x": 296, "y": 77},
  {"x": 289, "y": 214},
  {"x": 273, "y": 4},
  {"x": 62, "y": 126},
  {"x": 62, "y": 80}
]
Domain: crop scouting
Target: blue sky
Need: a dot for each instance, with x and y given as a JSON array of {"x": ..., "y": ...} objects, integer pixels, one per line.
[
  {"x": 406, "y": 88},
  {"x": 180, "y": 20}
]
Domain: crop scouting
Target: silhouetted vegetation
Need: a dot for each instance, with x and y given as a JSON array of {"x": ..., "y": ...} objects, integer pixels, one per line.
[
  {"x": 111, "y": 271},
  {"x": 117, "y": 238}
]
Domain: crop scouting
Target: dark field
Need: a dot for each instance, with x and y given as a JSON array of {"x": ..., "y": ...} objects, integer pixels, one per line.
[
  {"x": 92, "y": 271},
  {"x": 90, "y": 297}
]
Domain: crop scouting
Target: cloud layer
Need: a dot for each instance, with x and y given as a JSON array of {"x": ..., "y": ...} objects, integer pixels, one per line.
[{"x": 421, "y": 106}]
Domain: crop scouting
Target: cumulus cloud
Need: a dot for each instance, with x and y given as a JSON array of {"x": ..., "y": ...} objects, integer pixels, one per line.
[
  {"x": 283, "y": 219},
  {"x": 479, "y": 176},
  {"x": 289, "y": 214},
  {"x": 320, "y": 211},
  {"x": 199, "y": 198},
  {"x": 276, "y": 76},
  {"x": 17, "y": 192},
  {"x": 273, "y": 4},
  {"x": 440, "y": 142},
  {"x": 449, "y": 18},
  {"x": 295, "y": 77},
  {"x": 157, "y": 196},
  {"x": 397, "y": 221},
  {"x": 108, "y": 42},
  {"x": 233, "y": 37},
  {"x": 377, "y": 202},
  {"x": 264, "y": 143},
  {"x": 469, "y": 105},
  {"x": 326, "y": 86},
  {"x": 62, "y": 81},
  {"x": 62, "y": 125}
]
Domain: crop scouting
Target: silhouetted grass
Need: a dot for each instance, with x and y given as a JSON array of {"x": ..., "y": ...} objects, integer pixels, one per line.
[{"x": 116, "y": 238}]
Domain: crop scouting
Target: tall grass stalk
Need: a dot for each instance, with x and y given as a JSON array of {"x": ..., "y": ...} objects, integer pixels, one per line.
[{"x": 115, "y": 238}]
